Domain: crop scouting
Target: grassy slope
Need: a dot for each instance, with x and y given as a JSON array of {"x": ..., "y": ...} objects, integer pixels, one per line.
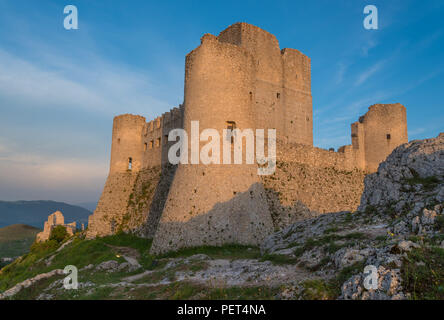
[
  {"x": 84, "y": 252},
  {"x": 16, "y": 239},
  {"x": 422, "y": 281}
]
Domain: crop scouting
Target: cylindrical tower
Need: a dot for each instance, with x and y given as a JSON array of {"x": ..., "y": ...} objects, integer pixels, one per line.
[
  {"x": 127, "y": 143},
  {"x": 385, "y": 127},
  {"x": 217, "y": 203}
]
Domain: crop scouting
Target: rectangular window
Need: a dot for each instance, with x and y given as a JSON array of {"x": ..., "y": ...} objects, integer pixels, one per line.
[
  {"x": 151, "y": 144},
  {"x": 158, "y": 142},
  {"x": 145, "y": 147},
  {"x": 165, "y": 139},
  {"x": 389, "y": 136}
]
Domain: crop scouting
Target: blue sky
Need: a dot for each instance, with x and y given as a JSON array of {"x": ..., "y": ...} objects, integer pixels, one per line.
[{"x": 59, "y": 89}]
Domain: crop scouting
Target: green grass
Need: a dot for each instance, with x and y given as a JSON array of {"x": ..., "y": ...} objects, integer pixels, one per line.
[
  {"x": 79, "y": 253},
  {"x": 318, "y": 290},
  {"x": 15, "y": 240},
  {"x": 331, "y": 289},
  {"x": 279, "y": 259},
  {"x": 439, "y": 223},
  {"x": 228, "y": 251},
  {"x": 424, "y": 281},
  {"x": 429, "y": 183}
]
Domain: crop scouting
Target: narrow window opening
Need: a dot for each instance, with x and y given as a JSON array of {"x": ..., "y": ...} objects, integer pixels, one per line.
[
  {"x": 389, "y": 136},
  {"x": 158, "y": 142},
  {"x": 165, "y": 139},
  {"x": 145, "y": 146},
  {"x": 151, "y": 144},
  {"x": 113, "y": 226},
  {"x": 130, "y": 163},
  {"x": 278, "y": 95},
  {"x": 231, "y": 125}
]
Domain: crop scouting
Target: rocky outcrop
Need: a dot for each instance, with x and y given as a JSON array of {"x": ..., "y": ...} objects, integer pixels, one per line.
[
  {"x": 410, "y": 179},
  {"x": 402, "y": 209},
  {"x": 29, "y": 282}
]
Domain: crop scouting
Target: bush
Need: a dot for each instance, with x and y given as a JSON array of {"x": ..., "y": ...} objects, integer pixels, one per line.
[
  {"x": 44, "y": 247},
  {"x": 439, "y": 223},
  {"x": 58, "y": 234}
]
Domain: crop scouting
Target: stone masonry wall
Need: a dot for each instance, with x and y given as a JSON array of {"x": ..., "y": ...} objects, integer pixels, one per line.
[
  {"x": 112, "y": 206},
  {"x": 55, "y": 219},
  {"x": 310, "y": 181}
]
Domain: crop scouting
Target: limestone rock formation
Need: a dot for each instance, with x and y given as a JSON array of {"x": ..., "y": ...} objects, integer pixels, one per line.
[
  {"x": 402, "y": 210},
  {"x": 55, "y": 219},
  {"x": 411, "y": 177}
]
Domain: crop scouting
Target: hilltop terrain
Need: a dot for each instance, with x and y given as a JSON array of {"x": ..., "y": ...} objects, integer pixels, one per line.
[
  {"x": 15, "y": 240},
  {"x": 398, "y": 229}
]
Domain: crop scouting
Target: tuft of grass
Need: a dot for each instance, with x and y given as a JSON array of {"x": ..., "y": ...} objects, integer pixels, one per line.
[
  {"x": 428, "y": 183},
  {"x": 318, "y": 290},
  {"x": 279, "y": 259},
  {"x": 228, "y": 251},
  {"x": 439, "y": 223},
  {"x": 424, "y": 281}
]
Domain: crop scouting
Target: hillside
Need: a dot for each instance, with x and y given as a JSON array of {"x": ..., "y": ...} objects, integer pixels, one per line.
[
  {"x": 16, "y": 240},
  {"x": 398, "y": 232},
  {"x": 35, "y": 213}
]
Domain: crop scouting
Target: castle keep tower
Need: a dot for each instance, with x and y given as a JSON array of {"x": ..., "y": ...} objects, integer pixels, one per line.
[
  {"x": 281, "y": 90},
  {"x": 217, "y": 203}
]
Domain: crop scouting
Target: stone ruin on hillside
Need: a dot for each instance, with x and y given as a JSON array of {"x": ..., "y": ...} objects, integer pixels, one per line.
[{"x": 55, "y": 219}]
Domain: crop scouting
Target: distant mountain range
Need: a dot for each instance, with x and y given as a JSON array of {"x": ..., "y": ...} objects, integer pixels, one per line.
[{"x": 35, "y": 213}]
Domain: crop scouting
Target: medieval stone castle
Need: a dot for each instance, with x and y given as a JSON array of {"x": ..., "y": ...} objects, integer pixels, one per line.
[{"x": 240, "y": 78}]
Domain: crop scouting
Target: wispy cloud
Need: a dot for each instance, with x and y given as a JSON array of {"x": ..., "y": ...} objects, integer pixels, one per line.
[
  {"x": 99, "y": 87},
  {"x": 339, "y": 77},
  {"x": 369, "y": 72},
  {"x": 370, "y": 44},
  {"x": 46, "y": 174}
]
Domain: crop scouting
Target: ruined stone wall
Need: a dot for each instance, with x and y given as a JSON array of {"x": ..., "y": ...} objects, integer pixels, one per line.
[
  {"x": 147, "y": 200},
  {"x": 55, "y": 219},
  {"x": 112, "y": 205},
  {"x": 215, "y": 204},
  {"x": 310, "y": 181}
]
